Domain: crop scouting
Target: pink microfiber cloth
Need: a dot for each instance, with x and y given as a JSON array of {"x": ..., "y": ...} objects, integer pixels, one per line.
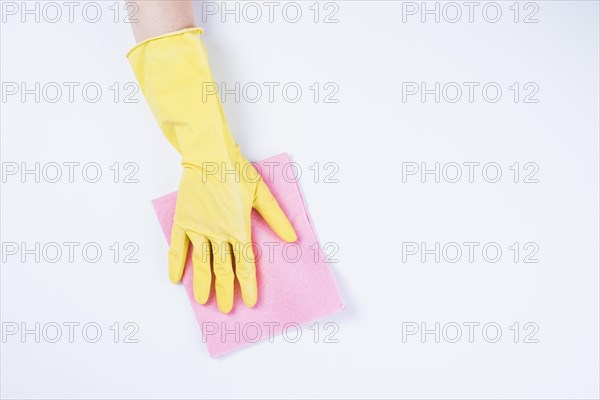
[{"x": 295, "y": 285}]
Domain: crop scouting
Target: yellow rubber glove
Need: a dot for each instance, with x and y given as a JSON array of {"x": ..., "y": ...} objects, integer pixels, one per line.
[{"x": 219, "y": 187}]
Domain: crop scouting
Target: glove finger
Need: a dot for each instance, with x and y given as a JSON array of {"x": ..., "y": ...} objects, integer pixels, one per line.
[
  {"x": 245, "y": 271},
  {"x": 201, "y": 262},
  {"x": 267, "y": 206},
  {"x": 177, "y": 253},
  {"x": 223, "y": 269}
]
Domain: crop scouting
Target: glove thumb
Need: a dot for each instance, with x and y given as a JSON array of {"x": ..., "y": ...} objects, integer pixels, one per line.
[{"x": 269, "y": 209}]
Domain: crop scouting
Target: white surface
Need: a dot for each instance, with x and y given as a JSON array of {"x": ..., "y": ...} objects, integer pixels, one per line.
[{"x": 369, "y": 133}]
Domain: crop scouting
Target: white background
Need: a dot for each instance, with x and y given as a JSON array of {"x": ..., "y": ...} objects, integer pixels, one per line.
[{"x": 369, "y": 133}]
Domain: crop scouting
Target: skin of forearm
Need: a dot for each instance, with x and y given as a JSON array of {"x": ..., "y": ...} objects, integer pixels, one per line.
[{"x": 157, "y": 17}]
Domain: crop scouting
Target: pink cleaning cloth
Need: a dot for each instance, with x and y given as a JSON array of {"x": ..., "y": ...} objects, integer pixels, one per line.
[{"x": 295, "y": 284}]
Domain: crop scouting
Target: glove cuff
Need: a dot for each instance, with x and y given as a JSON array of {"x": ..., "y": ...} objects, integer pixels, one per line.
[{"x": 195, "y": 31}]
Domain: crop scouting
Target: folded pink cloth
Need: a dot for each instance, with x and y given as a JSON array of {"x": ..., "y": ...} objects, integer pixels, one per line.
[{"x": 295, "y": 285}]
